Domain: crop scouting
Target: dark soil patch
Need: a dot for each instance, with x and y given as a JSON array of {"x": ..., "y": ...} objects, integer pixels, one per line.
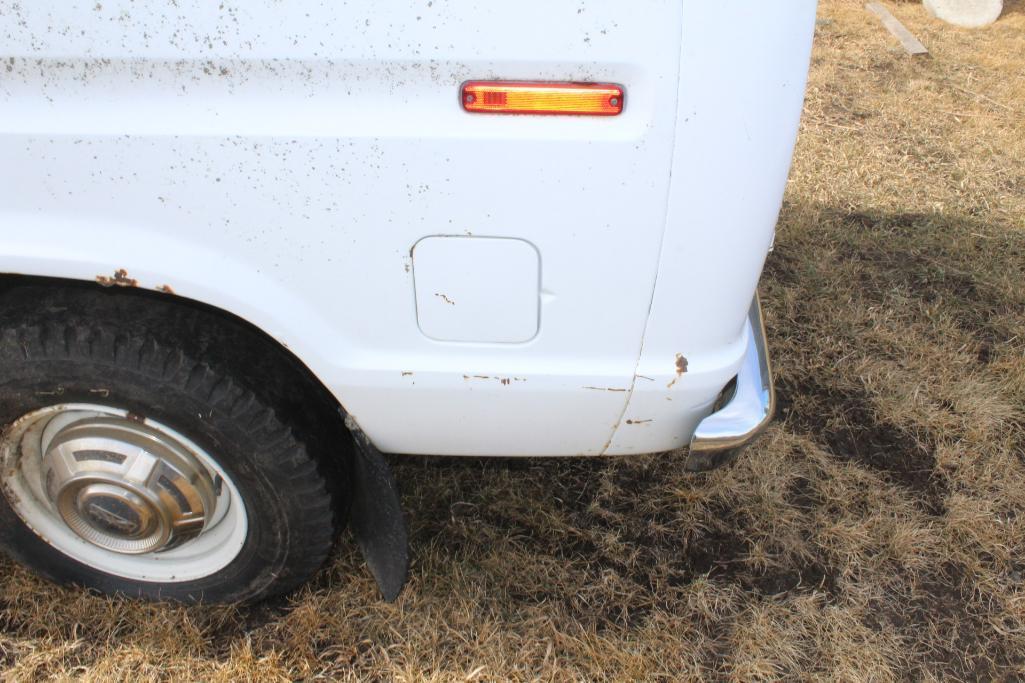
[
  {"x": 969, "y": 653},
  {"x": 801, "y": 494},
  {"x": 803, "y": 578},
  {"x": 844, "y": 421}
]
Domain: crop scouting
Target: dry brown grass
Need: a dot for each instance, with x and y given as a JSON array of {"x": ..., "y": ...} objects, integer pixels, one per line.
[{"x": 876, "y": 532}]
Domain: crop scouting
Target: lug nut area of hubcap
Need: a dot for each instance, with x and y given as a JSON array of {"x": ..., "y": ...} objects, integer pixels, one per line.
[{"x": 114, "y": 511}]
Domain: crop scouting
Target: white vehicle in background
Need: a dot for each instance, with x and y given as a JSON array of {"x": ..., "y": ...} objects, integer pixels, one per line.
[{"x": 233, "y": 234}]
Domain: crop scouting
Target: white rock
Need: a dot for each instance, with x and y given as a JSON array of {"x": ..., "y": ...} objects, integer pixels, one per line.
[{"x": 966, "y": 13}]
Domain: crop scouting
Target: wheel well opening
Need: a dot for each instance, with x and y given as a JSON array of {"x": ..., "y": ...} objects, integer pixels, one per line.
[{"x": 206, "y": 333}]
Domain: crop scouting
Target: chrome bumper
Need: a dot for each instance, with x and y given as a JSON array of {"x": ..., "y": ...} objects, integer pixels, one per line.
[{"x": 748, "y": 412}]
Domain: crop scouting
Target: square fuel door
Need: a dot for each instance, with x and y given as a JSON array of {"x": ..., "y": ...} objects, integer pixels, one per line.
[{"x": 477, "y": 289}]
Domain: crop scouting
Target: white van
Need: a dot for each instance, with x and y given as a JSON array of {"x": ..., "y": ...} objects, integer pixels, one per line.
[{"x": 231, "y": 234}]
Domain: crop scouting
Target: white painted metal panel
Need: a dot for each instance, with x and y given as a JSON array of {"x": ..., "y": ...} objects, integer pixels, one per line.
[
  {"x": 280, "y": 160},
  {"x": 738, "y": 114}
]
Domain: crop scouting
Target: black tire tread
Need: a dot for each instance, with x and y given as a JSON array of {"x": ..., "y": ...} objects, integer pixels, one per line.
[{"x": 281, "y": 458}]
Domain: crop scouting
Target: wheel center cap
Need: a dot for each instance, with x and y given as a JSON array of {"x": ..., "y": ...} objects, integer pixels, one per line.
[{"x": 119, "y": 513}]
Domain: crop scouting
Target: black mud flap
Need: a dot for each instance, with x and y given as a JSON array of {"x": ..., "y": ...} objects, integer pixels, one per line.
[{"x": 376, "y": 516}]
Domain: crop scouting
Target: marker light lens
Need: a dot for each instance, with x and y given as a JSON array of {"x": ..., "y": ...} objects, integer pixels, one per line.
[{"x": 523, "y": 97}]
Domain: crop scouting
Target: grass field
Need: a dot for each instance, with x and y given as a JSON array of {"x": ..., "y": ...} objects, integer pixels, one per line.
[{"x": 877, "y": 531}]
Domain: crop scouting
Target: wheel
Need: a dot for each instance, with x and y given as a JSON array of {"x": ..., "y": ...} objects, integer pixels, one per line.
[{"x": 129, "y": 467}]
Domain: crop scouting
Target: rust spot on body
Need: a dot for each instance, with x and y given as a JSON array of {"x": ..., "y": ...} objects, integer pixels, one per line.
[
  {"x": 406, "y": 374},
  {"x": 503, "y": 380},
  {"x": 681, "y": 364},
  {"x": 681, "y": 367},
  {"x": 120, "y": 279},
  {"x": 166, "y": 289}
]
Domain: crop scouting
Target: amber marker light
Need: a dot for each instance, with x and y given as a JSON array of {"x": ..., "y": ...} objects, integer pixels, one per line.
[{"x": 530, "y": 97}]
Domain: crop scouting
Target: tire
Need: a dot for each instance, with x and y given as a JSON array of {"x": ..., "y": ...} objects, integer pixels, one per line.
[{"x": 55, "y": 360}]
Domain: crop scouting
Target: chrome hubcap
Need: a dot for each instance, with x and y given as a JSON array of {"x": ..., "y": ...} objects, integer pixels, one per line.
[
  {"x": 124, "y": 494},
  {"x": 124, "y": 486}
]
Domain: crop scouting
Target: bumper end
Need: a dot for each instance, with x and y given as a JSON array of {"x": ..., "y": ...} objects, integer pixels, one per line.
[{"x": 721, "y": 435}]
